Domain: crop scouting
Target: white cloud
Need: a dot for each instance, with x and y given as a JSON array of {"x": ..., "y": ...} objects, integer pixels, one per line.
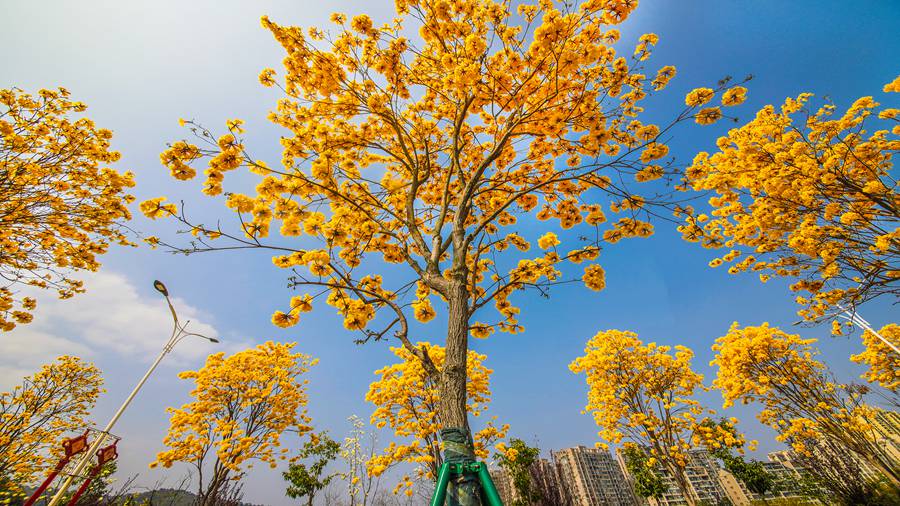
[
  {"x": 22, "y": 354},
  {"x": 112, "y": 317}
]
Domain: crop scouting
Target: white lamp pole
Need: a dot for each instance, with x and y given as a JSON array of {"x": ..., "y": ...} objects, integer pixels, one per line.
[
  {"x": 854, "y": 318},
  {"x": 178, "y": 333}
]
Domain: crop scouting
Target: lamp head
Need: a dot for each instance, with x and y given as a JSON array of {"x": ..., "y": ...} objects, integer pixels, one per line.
[
  {"x": 213, "y": 339},
  {"x": 160, "y": 287}
]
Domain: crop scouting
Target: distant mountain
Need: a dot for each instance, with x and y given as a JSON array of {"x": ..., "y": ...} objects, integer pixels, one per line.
[
  {"x": 165, "y": 497},
  {"x": 158, "y": 497}
]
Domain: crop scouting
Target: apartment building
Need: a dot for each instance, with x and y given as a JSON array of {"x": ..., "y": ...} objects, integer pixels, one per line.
[
  {"x": 702, "y": 473},
  {"x": 786, "y": 486},
  {"x": 593, "y": 477}
]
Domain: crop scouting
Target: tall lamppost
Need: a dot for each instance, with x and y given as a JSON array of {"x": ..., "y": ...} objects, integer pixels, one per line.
[
  {"x": 855, "y": 318},
  {"x": 179, "y": 332}
]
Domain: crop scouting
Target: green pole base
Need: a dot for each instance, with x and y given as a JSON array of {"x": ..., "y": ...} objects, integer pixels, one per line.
[{"x": 476, "y": 470}]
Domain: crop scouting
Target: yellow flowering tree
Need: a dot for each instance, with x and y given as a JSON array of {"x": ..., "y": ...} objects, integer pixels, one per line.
[
  {"x": 61, "y": 206},
  {"x": 425, "y": 152},
  {"x": 406, "y": 400},
  {"x": 242, "y": 406},
  {"x": 36, "y": 416},
  {"x": 800, "y": 399},
  {"x": 644, "y": 393},
  {"x": 806, "y": 194},
  {"x": 883, "y": 362}
]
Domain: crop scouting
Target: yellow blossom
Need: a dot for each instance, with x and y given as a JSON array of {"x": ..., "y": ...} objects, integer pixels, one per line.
[
  {"x": 61, "y": 204},
  {"x": 548, "y": 241}
]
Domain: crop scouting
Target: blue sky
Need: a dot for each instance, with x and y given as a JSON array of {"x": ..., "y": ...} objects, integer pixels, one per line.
[{"x": 140, "y": 66}]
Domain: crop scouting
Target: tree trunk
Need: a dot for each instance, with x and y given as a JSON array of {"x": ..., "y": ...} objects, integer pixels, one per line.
[
  {"x": 455, "y": 433},
  {"x": 211, "y": 496},
  {"x": 452, "y": 404},
  {"x": 684, "y": 486}
]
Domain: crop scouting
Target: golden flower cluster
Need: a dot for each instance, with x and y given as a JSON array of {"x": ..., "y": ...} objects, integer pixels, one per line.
[
  {"x": 883, "y": 362},
  {"x": 61, "y": 206},
  {"x": 805, "y": 194},
  {"x": 800, "y": 400}
]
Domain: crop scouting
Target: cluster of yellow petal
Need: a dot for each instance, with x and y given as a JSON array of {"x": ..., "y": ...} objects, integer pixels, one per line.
[
  {"x": 510, "y": 453},
  {"x": 752, "y": 360},
  {"x": 804, "y": 194},
  {"x": 721, "y": 435},
  {"x": 548, "y": 241},
  {"x": 883, "y": 362},
  {"x": 60, "y": 205},
  {"x": 732, "y": 96},
  {"x": 406, "y": 400},
  {"x": 800, "y": 400},
  {"x": 242, "y": 405},
  {"x": 644, "y": 392},
  {"x": 34, "y": 417},
  {"x": 594, "y": 277},
  {"x": 699, "y": 96}
]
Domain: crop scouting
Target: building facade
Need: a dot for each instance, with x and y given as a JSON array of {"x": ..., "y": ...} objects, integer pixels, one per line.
[
  {"x": 857, "y": 466},
  {"x": 545, "y": 480},
  {"x": 503, "y": 483},
  {"x": 786, "y": 486},
  {"x": 702, "y": 473},
  {"x": 593, "y": 477},
  {"x": 886, "y": 429}
]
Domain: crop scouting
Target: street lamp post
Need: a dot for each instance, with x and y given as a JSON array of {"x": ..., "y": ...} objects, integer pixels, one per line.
[
  {"x": 178, "y": 333},
  {"x": 855, "y": 318}
]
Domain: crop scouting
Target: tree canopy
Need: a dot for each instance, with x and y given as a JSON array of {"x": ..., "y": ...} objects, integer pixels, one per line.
[{"x": 60, "y": 205}]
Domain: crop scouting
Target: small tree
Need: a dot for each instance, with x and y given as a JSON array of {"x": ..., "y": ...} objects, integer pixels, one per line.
[
  {"x": 406, "y": 400},
  {"x": 35, "y": 416},
  {"x": 357, "y": 451},
  {"x": 801, "y": 400},
  {"x": 307, "y": 480},
  {"x": 753, "y": 474},
  {"x": 647, "y": 483},
  {"x": 804, "y": 194},
  {"x": 243, "y": 404},
  {"x": 644, "y": 393},
  {"x": 518, "y": 459},
  {"x": 60, "y": 207}
]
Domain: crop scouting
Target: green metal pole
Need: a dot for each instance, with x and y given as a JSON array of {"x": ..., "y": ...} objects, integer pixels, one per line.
[
  {"x": 487, "y": 486},
  {"x": 440, "y": 490}
]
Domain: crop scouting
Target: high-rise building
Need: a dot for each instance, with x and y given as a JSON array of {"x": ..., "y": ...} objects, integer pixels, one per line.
[
  {"x": 885, "y": 432},
  {"x": 545, "y": 480},
  {"x": 886, "y": 422},
  {"x": 593, "y": 477},
  {"x": 786, "y": 485},
  {"x": 857, "y": 466},
  {"x": 546, "y": 477},
  {"x": 886, "y": 429},
  {"x": 702, "y": 473},
  {"x": 503, "y": 483}
]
